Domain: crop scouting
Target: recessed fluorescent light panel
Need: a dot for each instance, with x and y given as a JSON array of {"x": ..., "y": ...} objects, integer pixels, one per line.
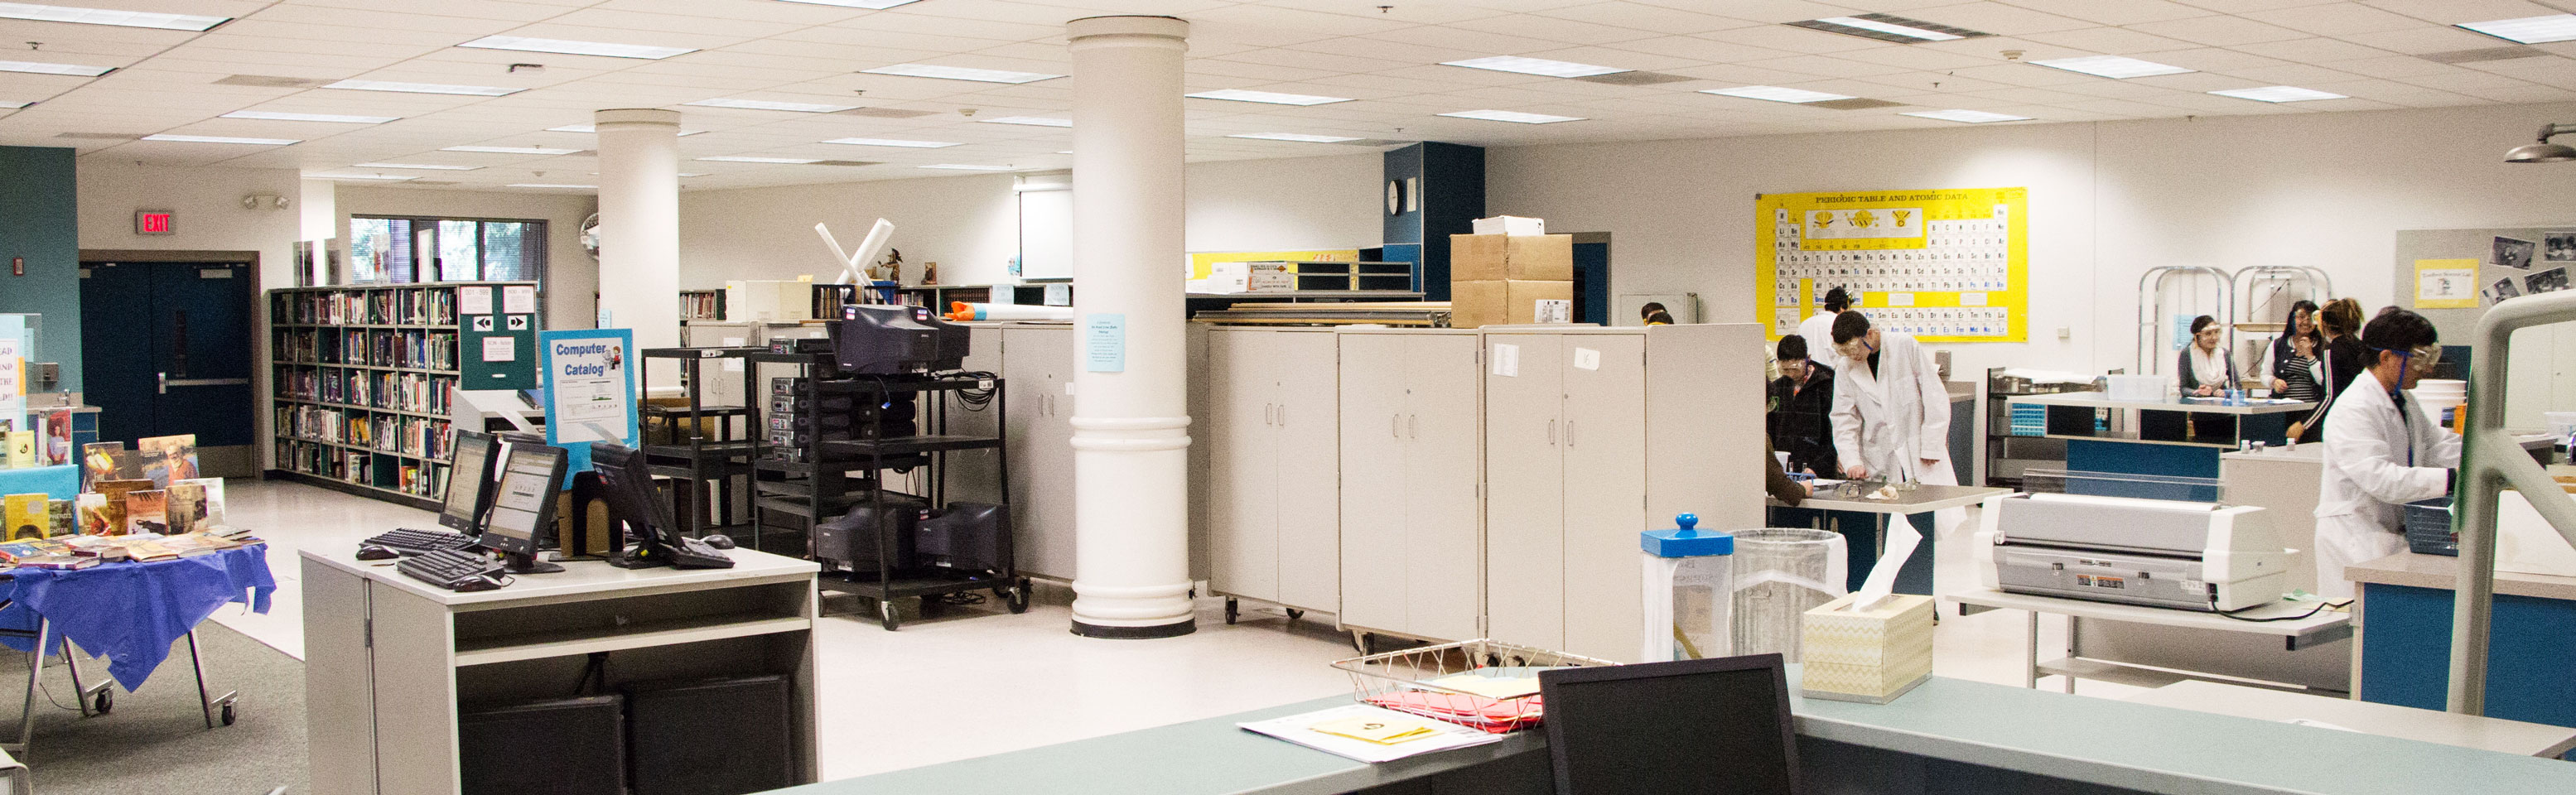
[
  {"x": 966, "y": 167},
  {"x": 329, "y": 117},
  {"x": 570, "y": 47},
  {"x": 1535, "y": 66},
  {"x": 1775, "y": 94},
  {"x": 424, "y": 166},
  {"x": 551, "y": 185},
  {"x": 13, "y": 105},
  {"x": 960, "y": 73},
  {"x": 1966, "y": 116},
  {"x": 793, "y": 161},
  {"x": 511, "y": 150},
  {"x": 424, "y": 88},
  {"x": 2278, "y": 94},
  {"x": 101, "y": 16},
  {"x": 1511, "y": 116},
  {"x": 2112, "y": 66},
  {"x": 1889, "y": 27},
  {"x": 41, "y": 68},
  {"x": 2529, "y": 30},
  {"x": 593, "y": 128},
  {"x": 220, "y": 139},
  {"x": 1032, "y": 121},
  {"x": 1271, "y": 97},
  {"x": 892, "y": 142},
  {"x": 854, "y": 3},
  {"x": 763, "y": 104},
  {"x": 384, "y": 177},
  {"x": 1298, "y": 137}
]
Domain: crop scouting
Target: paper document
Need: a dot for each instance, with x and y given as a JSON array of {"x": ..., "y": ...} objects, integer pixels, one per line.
[
  {"x": 1383, "y": 731},
  {"x": 1496, "y": 687},
  {"x": 1302, "y": 730}
]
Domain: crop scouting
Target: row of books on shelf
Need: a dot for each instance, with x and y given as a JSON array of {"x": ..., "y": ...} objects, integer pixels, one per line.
[
  {"x": 413, "y": 436},
  {"x": 416, "y": 392},
  {"x": 428, "y": 305},
  {"x": 429, "y": 350},
  {"x": 702, "y": 305},
  {"x": 418, "y": 478}
]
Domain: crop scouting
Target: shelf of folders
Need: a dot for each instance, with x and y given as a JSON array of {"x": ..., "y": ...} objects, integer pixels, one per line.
[{"x": 363, "y": 384}]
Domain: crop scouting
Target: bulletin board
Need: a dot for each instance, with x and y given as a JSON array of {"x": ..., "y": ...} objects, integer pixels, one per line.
[
  {"x": 2451, "y": 276},
  {"x": 1942, "y": 265}
]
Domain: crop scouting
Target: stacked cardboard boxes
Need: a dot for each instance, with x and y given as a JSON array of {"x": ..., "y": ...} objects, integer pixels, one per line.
[{"x": 1510, "y": 279}]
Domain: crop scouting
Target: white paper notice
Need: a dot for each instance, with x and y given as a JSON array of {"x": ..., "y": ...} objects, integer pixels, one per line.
[
  {"x": 1507, "y": 360},
  {"x": 1587, "y": 359},
  {"x": 474, "y": 300},
  {"x": 500, "y": 349},
  {"x": 519, "y": 300}
]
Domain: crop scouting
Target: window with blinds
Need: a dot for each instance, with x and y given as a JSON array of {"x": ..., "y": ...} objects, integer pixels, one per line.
[{"x": 405, "y": 250}]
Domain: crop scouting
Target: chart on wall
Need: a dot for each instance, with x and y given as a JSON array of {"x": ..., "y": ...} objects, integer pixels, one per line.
[{"x": 1942, "y": 265}]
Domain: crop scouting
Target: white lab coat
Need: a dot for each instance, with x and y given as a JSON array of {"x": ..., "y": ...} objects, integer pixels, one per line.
[
  {"x": 1819, "y": 331},
  {"x": 1892, "y": 421},
  {"x": 2366, "y": 481}
]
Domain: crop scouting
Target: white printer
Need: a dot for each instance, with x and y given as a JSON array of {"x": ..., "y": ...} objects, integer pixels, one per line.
[{"x": 2157, "y": 553}]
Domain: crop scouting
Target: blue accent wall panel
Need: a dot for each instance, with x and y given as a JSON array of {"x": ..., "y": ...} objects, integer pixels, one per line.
[
  {"x": 2531, "y": 653},
  {"x": 39, "y": 222},
  {"x": 1451, "y": 178}
]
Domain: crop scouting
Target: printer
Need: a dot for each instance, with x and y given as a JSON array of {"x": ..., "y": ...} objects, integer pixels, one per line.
[{"x": 2157, "y": 553}]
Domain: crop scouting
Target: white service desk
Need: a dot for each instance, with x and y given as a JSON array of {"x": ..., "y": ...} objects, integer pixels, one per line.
[{"x": 389, "y": 659}]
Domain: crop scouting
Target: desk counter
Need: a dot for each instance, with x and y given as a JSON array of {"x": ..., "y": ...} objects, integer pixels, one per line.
[
  {"x": 2405, "y": 656},
  {"x": 1923, "y": 499}
]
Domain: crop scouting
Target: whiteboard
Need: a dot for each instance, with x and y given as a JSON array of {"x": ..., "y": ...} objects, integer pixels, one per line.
[{"x": 1046, "y": 234}]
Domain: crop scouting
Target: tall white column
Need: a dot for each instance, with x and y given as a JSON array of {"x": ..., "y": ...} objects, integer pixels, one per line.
[
  {"x": 639, "y": 227},
  {"x": 1131, "y": 427}
]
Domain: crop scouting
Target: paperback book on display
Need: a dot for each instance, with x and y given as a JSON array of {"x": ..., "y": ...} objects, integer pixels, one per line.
[
  {"x": 168, "y": 458},
  {"x": 106, "y": 461},
  {"x": 185, "y": 506},
  {"x": 147, "y": 511},
  {"x": 28, "y": 515},
  {"x": 112, "y": 516}
]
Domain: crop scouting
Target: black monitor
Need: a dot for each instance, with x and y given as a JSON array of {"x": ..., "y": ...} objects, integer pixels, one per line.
[
  {"x": 647, "y": 534},
  {"x": 1703, "y": 727},
  {"x": 523, "y": 509},
  {"x": 469, "y": 483}
]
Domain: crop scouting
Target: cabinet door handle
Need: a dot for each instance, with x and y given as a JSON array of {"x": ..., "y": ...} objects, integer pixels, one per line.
[
  {"x": 1551, "y": 432},
  {"x": 1413, "y": 426},
  {"x": 1265, "y": 414},
  {"x": 1569, "y": 433},
  {"x": 1395, "y": 425},
  {"x": 1283, "y": 415}
]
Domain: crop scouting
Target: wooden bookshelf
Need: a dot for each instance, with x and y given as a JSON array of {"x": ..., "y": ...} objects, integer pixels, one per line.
[{"x": 363, "y": 387}]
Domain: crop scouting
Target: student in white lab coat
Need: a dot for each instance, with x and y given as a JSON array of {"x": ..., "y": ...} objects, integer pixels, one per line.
[
  {"x": 1819, "y": 330},
  {"x": 2382, "y": 451},
  {"x": 1891, "y": 420}
]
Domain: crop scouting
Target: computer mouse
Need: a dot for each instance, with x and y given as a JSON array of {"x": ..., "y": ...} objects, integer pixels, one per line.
[
  {"x": 718, "y": 540},
  {"x": 373, "y": 552},
  {"x": 483, "y": 583}
]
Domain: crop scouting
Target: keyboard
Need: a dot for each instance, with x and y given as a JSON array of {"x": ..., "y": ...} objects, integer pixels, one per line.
[
  {"x": 455, "y": 570},
  {"x": 414, "y": 542}
]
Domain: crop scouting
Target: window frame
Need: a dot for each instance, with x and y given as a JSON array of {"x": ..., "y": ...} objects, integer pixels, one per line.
[{"x": 433, "y": 268}]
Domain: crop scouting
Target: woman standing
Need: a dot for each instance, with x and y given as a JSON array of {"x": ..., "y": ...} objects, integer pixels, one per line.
[
  {"x": 2302, "y": 320},
  {"x": 2342, "y": 356},
  {"x": 2203, "y": 368},
  {"x": 2299, "y": 376}
]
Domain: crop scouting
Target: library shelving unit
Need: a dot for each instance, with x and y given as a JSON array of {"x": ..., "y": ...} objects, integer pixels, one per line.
[
  {"x": 363, "y": 382},
  {"x": 701, "y": 305}
]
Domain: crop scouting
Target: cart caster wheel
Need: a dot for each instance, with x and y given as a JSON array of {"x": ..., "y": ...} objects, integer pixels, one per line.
[
  {"x": 229, "y": 715},
  {"x": 1294, "y": 614},
  {"x": 888, "y": 615},
  {"x": 105, "y": 701},
  {"x": 1364, "y": 642},
  {"x": 1019, "y": 598},
  {"x": 1231, "y": 610}
]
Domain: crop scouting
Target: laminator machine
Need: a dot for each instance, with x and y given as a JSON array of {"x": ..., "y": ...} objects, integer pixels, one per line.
[{"x": 2157, "y": 553}]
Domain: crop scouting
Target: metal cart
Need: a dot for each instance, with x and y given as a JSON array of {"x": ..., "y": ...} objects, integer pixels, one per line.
[
  {"x": 100, "y": 698},
  {"x": 702, "y": 444}
]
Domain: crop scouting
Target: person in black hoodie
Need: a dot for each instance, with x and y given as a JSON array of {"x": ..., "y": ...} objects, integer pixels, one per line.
[{"x": 1803, "y": 399}]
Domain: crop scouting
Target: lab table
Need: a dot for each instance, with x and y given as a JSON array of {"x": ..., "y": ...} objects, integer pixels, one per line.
[
  {"x": 1946, "y": 737},
  {"x": 2292, "y": 634},
  {"x": 2386, "y": 720},
  {"x": 2174, "y": 437},
  {"x": 2405, "y": 603},
  {"x": 1916, "y": 576}
]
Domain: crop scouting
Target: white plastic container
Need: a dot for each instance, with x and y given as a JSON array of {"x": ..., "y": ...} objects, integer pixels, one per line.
[
  {"x": 1510, "y": 225},
  {"x": 2147, "y": 388}
]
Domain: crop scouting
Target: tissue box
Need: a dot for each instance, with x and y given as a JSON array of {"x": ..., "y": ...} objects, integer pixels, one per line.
[
  {"x": 1510, "y": 225},
  {"x": 1871, "y": 656}
]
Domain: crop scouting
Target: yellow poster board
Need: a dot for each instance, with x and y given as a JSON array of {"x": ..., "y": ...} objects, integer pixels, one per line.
[
  {"x": 1942, "y": 265},
  {"x": 1199, "y": 261},
  {"x": 2446, "y": 284}
]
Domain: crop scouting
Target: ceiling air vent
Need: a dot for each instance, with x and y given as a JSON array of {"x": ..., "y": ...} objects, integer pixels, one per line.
[
  {"x": 270, "y": 81},
  {"x": 888, "y": 113},
  {"x": 2483, "y": 54},
  {"x": 1635, "y": 78},
  {"x": 1855, "y": 103}
]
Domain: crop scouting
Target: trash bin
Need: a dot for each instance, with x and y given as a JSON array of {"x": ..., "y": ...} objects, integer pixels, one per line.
[{"x": 1780, "y": 573}]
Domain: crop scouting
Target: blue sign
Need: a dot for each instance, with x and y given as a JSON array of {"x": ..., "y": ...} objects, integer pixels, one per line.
[
  {"x": 1104, "y": 342},
  {"x": 589, "y": 389}
]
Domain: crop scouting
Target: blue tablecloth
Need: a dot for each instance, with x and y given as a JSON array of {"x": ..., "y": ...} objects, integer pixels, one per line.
[{"x": 132, "y": 612}]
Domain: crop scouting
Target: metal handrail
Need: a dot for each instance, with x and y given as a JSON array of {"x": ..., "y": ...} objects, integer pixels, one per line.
[
  {"x": 2489, "y": 459},
  {"x": 2151, "y": 292}
]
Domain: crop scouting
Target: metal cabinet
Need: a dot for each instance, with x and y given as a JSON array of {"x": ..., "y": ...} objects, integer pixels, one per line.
[
  {"x": 1037, "y": 362},
  {"x": 1274, "y": 476},
  {"x": 1592, "y": 436},
  {"x": 1412, "y": 442}
]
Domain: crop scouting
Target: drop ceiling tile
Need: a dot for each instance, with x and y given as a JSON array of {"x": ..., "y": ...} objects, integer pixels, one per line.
[
  {"x": 1305, "y": 59},
  {"x": 1827, "y": 66},
  {"x": 1699, "y": 48},
  {"x": 1556, "y": 29},
  {"x": 1654, "y": 19},
  {"x": 2312, "y": 50},
  {"x": 2452, "y": 12},
  {"x": 2039, "y": 96},
  {"x": 2466, "y": 81},
  {"x": 2290, "y": 75},
  {"x": 1920, "y": 58},
  {"x": 1609, "y": 55},
  {"x": 889, "y": 39},
  {"x": 2416, "y": 41},
  {"x": 1034, "y": 52},
  {"x": 2112, "y": 12},
  {"x": 2221, "y": 31},
  {"x": 2196, "y": 82},
  {"x": 2394, "y": 66},
  {"x": 1783, "y": 37},
  {"x": 2114, "y": 89},
  {"x": 2546, "y": 71},
  {"x": 1997, "y": 18},
  {"x": 1248, "y": 17},
  {"x": 2123, "y": 107},
  {"x": 2527, "y": 92},
  {"x": 442, "y": 17},
  {"x": 1252, "y": 71},
  {"x": 2109, "y": 41},
  {"x": 2210, "y": 59},
  {"x": 1741, "y": 74},
  {"x": 2023, "y": 74}
]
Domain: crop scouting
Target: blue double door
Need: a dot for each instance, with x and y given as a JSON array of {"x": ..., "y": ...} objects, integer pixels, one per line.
[{"x": 167, "y": 349}]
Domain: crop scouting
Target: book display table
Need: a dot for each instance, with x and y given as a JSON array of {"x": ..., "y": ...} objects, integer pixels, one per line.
[{"x": 130, "y": 613}]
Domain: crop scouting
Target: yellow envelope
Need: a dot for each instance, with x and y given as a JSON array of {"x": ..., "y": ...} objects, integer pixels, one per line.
[{"x": 1380, "y": 730}]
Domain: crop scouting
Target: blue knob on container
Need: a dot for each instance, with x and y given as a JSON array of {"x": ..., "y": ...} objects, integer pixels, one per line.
[{"x": 1686, "y": 540}]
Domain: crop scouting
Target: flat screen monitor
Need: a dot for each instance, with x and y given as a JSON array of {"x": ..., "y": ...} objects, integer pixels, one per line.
[
  {"x": 627, "y": 484},
  {"x": 469, "y": 483},
  {"x": 1703, "y": 727},
  {"x": 523, "y": 507}
]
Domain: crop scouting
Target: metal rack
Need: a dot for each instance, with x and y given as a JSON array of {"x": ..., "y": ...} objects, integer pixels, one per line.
[{"x": 693, "y": 456}]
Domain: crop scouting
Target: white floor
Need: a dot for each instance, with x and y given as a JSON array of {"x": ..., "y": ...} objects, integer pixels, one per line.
[{"x": 979, "y": 681}]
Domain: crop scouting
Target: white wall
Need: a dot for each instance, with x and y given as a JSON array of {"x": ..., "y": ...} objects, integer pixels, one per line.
[
  {"x": 970, "y": 224},
  {"x": 2107, "y": 201},
  {"x": 572, "y": 277}
]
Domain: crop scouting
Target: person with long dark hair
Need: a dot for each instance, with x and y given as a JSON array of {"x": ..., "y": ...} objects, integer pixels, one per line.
[
  {"x": 2301, "y": 320},
  {"x": 2343, "y": 357}
]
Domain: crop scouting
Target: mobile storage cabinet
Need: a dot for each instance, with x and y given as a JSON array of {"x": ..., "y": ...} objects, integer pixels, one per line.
[
  {"x": 1593, "y": 435},
  {"x": 1038, "y": 362},
  {"x": 1274, "y": 475},
  {"x": 1411, "y": 451}
]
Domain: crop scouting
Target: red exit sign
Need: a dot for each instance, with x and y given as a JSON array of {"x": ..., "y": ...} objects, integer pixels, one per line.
[{"x": 156, "y": 222}]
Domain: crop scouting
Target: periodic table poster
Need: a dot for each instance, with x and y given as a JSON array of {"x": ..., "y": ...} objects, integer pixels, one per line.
[{"x": 1942, "y": 265}]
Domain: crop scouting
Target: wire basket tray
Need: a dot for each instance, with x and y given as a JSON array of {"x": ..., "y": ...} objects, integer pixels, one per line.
[{"x": 1404, "y": 681}]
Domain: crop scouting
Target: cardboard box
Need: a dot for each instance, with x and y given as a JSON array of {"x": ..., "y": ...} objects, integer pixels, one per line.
[
  {"x": 1535, "y": 258},
  {"x": 1509, "y": 302},
  {"x": 1510, "y": 225},
  {"x": 1871, "y": 656}
]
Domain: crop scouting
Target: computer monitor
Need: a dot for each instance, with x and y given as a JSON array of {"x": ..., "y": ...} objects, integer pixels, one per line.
[
  {"x": 469, "y": 483},
  {"x": 523, "y": 509},
  {"x": 1704, "y": 727},
  {"x": 626, "y": 483}
]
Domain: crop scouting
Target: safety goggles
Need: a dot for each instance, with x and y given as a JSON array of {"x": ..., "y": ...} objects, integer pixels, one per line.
[{"x": 2421, "y": 358}]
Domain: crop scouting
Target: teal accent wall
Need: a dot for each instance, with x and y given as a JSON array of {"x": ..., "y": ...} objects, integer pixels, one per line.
[{"x": 38, "y": 221}]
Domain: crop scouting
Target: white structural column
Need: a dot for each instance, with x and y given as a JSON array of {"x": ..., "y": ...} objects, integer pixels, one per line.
[
  {"x": 1131, "y": 426},
  {"x": 639, "y": 226}
]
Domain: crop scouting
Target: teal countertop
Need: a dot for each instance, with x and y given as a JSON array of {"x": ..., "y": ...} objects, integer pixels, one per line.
[{"x": 2081, "y": 738}]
